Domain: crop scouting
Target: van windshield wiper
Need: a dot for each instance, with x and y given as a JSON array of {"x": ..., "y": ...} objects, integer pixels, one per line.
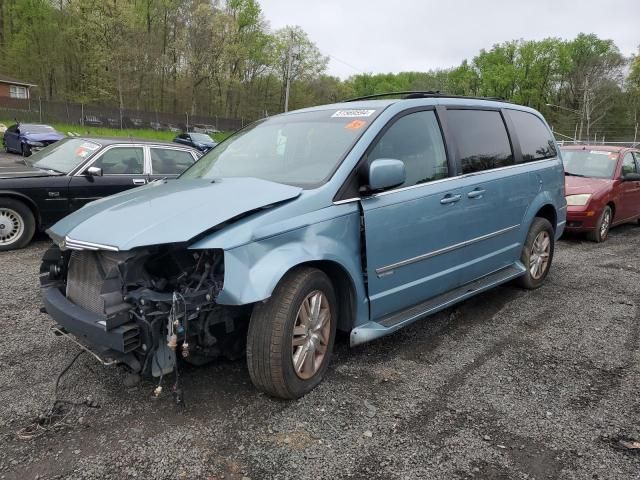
[{"x": 574, "y": 174}]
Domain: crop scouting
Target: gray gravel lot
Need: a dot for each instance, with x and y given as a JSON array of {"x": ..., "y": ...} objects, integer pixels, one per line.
[
  {"x": 508, "y": 385},
  {"x": 7, "y": 159}
]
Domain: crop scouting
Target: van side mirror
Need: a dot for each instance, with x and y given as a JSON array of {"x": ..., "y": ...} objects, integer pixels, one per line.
[
  {"x": 93, "y": 172},
  {"x": 631, "y": 177},
  {"x": 385, "y": 173}
]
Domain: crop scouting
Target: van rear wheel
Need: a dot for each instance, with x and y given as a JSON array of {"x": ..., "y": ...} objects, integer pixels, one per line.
[
  {"x": 537, "y": 254},
  {"x": 291, "y": 335}
]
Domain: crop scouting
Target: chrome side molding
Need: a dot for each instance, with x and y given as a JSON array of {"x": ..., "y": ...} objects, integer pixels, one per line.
[{"x": 382, "y": 271}]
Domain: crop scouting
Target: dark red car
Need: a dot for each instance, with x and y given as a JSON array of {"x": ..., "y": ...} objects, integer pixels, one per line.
[{"x": 602, "y": 187}]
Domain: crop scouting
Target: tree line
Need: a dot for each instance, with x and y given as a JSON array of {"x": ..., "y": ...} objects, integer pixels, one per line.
[
  {"x": 220, "y": 57},
  {"x": 585, "y": 87}
]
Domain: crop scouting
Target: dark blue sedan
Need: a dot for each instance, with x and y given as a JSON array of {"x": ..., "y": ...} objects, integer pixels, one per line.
[
  {"x": 201, "y": 141},
  {"x": 26, "y": 138}
]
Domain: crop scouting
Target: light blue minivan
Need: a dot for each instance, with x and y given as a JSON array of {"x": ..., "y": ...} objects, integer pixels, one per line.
[{"x": 362, "y": 216}]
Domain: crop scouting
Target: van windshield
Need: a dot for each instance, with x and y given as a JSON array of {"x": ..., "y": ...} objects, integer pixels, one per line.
[
  {"x": 301, "y": 149},
  {"x": 590, "y": 163}
]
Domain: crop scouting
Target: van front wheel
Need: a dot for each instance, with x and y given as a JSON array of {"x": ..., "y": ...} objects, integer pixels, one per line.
[
  {"x": 537, "y": 253},
  {"x": 291, "y": 335}
]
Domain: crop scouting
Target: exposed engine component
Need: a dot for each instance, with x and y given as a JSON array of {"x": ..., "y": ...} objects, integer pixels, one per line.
[{"x": 154, "y": 305}]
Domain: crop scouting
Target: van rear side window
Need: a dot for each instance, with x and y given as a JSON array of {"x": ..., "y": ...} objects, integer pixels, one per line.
[
  {"x": 481, "y": 138},
  {"x": 536, "y": 142}
]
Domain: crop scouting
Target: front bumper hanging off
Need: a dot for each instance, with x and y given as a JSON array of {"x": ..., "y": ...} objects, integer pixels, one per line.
[
  {"x": 89, "y": 326},
  {"x": 138, "y": 308}
]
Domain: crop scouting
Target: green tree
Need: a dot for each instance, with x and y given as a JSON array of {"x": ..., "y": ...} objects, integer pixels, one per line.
[
  {"x": 296, "y": 58},
  {"x": 220, "y": 58},
  {"x": 464, "y": 80},
  {"x": 594, "y": 77}
]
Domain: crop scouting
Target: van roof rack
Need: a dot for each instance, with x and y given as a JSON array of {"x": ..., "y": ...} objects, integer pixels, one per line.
[{"x": 406, "y": 95}]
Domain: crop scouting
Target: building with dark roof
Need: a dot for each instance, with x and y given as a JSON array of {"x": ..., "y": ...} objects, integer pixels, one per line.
[{"x": 12, "y": 88}]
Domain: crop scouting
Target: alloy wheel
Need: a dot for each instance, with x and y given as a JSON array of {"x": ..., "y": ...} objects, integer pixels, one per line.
[
  {"x": 311, "y": 334},
  {"x": 11, "y": 226},
  {"x": 606, "y": 223},
  {"x": 540, "y": 253}
]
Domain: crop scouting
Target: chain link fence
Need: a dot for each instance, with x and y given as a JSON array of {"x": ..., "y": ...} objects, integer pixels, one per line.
[{"x": 43, "y": 111}]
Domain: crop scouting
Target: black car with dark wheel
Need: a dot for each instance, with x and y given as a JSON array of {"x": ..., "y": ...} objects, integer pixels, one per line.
[{"x": 69, "y": 174}]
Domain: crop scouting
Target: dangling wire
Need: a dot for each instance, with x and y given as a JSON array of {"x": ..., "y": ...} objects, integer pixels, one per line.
[{"x": 55, "y": 417}]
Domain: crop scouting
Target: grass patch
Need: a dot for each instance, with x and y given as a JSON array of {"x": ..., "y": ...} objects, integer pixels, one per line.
[{"x": 142, "y": 133}]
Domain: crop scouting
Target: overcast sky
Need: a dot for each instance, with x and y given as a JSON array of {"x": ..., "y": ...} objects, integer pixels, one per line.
[{"x": 393, "y": 36}]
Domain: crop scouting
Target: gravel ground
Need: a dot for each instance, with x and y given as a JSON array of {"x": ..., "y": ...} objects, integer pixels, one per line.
[
  {"x": 7, "y": 159},
  {"x": 508, "y": 385}
]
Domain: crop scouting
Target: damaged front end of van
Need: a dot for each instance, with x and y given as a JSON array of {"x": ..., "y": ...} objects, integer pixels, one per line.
[{"x": 144, "y": 297}]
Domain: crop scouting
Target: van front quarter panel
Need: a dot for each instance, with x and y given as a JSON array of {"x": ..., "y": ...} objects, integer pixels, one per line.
[{"x": 252, "y": 271}]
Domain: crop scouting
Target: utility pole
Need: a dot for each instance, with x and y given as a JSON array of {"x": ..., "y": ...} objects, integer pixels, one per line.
[
  {"x": 289, "y": 66},
  {"x": 581, "y": 117},
  {"x": 288, "y": 84},
  {"x": 120, "y": 98},
  {"x": 587, "y": 105}
]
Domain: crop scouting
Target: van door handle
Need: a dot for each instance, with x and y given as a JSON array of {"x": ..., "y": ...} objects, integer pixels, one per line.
[
  {"x": 476, "y": 193},
  {"x": 139, "y": 181},
  {"x": 450, "y": 199}
]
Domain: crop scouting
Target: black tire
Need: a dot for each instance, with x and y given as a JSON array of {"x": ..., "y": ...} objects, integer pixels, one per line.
[
  {"x": 9, "y": 208},
  {"x": 269, "y": 339},
  {"x": 529, "y": 280},
  {"x": 25, "y": 150},
  {"x": 601, "y": 233}
]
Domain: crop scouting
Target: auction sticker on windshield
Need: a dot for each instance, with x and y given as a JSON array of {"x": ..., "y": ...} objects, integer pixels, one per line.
[
  {"x": 355, "y": 125},
  {"x": 352, "y": 113},
  {"x": 90, "y": 146},
  {"x": 86, "y": 148}
]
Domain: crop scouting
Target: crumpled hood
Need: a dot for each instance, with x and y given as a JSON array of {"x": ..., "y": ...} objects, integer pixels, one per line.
[
  {"x": 575, "y": 185},
  {"x": 168, "y": 212},
  {"x": 44, "y": 137}
]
